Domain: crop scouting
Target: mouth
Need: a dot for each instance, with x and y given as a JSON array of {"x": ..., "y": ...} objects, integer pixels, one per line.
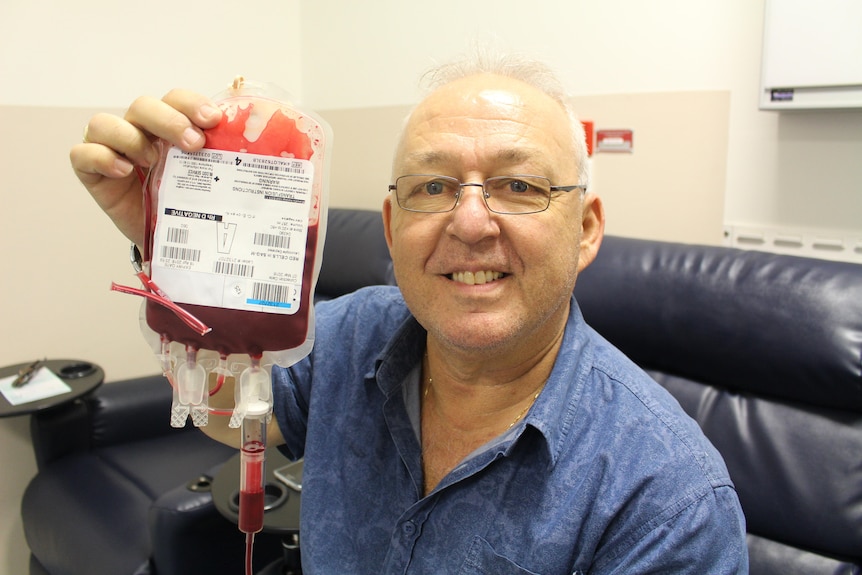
[{"x": 476, "y": 278}]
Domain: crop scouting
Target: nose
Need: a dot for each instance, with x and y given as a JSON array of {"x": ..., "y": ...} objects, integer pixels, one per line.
[
  {"x": 481, "y": 195},
  {"x": 472, "y": 221}
]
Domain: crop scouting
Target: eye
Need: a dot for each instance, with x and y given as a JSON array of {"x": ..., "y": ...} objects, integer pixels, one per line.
[
  {"x": 519, "y": 186},
  {"x": 434, "y": 187}
]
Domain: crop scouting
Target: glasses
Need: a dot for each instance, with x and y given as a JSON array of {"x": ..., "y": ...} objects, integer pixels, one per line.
[{"x": 517, "y": 194}]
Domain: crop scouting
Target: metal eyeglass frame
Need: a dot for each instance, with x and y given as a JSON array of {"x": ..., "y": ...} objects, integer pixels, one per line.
[{"x": 485, "y": 194}]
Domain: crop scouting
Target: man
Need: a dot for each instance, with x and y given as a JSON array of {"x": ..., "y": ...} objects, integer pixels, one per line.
[{"x": 469, "y": 421}]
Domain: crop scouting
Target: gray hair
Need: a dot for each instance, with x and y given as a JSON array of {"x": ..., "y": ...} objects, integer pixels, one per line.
[{"x": 518, "y": 67}]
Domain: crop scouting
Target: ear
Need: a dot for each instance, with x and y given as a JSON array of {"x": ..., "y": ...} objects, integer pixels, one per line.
[
  {"x": 592, "y": 229},
  {"x": 387, "y": 221}
]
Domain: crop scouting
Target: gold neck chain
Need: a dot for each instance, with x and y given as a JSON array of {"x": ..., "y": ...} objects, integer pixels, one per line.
[{"x": 516, "y": 420}]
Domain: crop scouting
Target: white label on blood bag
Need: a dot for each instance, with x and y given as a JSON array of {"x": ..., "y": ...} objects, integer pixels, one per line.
[{"x": 231, "y": 230}]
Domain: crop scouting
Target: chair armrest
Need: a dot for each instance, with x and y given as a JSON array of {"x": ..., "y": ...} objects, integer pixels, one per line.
[
  {"x": 115, "y": 413},
  {"x": 189, "y": 535},
  {"x": 59, "y": 431},
  {"x": 130, "y": 410}
]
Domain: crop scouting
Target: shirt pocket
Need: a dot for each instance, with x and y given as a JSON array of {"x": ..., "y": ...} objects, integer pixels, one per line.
[{"x": 483, "y": 560}]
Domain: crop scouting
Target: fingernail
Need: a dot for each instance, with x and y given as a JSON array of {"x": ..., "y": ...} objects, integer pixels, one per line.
[
  {"x": 123, "y": 166},
  {"x": 192, "y": 137},
  {"x": 208, "y": 112}
]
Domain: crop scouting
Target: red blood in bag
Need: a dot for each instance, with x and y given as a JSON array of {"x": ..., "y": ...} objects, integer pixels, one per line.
[
  {"x": 240, "y": 331},
  {"x": 280, "y": 136}
]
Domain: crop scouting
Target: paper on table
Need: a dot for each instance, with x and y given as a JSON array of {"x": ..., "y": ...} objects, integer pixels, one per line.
[{"x": 43, "y": 384}]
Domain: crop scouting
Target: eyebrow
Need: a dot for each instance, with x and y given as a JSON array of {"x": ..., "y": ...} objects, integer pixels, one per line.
[{"x": 442, "y": 158}]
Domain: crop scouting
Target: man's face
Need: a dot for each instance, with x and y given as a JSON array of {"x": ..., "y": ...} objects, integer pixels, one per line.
[{"x": 472, "y": 129}]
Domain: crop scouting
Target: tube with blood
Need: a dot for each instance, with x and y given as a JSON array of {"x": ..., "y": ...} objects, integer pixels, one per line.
[
  {"x": 234, "y": 241},
  {"x": 254, "y": 407},
  {"x": 252, "y": 475}
]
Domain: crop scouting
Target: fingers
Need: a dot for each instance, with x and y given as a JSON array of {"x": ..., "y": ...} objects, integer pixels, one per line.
[
  {"x": 111, "y": 181},
  {"x": 93, "y": 162},
  {"x": 178, "y": 118},
  {"x": 112, "y": 146},
  {"x": 109, "y": 138}
]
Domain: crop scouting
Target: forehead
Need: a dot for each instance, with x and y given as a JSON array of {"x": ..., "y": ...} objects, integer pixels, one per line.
[{"x": 486, "y": 119}]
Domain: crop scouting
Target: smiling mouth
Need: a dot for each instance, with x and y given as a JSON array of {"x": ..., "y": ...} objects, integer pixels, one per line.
[{"x": 476, "y": 278}]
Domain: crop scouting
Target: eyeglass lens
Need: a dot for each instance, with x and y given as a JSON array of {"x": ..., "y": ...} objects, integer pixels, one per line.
[{"x": 502, "y": 194}]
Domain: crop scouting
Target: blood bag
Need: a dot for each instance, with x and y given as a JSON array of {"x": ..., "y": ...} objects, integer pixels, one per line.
[{"x": 234, "y": 238}]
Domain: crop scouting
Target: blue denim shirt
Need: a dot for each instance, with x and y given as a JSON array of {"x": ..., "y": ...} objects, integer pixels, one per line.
[{"x": 605, "y": 474}]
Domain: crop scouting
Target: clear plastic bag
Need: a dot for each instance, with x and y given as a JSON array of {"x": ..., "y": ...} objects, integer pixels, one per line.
[{"x": 234, "y": 238}]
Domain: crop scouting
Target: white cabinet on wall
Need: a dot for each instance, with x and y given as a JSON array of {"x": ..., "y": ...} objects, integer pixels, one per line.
[{"x": 812, "y": 54}]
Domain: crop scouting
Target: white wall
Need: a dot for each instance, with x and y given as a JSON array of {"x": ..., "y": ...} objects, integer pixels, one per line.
[
  {"x": 102, "y": 53},
  {"x": 799, "y": 169}
]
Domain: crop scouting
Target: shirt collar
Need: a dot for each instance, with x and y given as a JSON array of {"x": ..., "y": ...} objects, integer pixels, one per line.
[
  {"x": 553, "y": 414},
  {"x": 554, "y": 411},
  {"x": 400, "y": 354}
]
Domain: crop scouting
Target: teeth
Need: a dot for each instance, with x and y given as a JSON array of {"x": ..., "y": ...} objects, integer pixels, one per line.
[{"x": 474, "y": 278}]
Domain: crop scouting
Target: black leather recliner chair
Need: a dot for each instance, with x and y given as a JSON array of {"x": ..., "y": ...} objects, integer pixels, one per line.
[{"x": 765, "y": 352}]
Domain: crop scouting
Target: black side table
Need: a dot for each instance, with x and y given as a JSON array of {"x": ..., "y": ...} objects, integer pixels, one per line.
[
  {"x": 81, "y": 376},
  {"x": 281, "y": 508}
]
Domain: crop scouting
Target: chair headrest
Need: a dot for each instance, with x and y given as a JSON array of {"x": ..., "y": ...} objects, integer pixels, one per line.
[
  {"x": 776, "y": 325},
  {"x": 355, "y": 254}
]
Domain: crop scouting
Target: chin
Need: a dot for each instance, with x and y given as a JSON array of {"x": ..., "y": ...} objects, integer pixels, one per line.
[{"x": 475, "y": 336}]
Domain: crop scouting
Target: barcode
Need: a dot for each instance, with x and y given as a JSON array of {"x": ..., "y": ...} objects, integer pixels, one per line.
[
  {"x": 291, "y": 170},
  {"x": 185, "y": 254},
  {"x": 234, "y": 269},
  {"x": 272, "y": 293},
  {"x": 272, "y": 241},
  {"x": 178, "y": 235}
]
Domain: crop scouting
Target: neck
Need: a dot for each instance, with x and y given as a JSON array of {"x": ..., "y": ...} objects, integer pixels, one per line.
[
  {"x": 484, "y": 394},
  {"x": 463, "y": 409}
]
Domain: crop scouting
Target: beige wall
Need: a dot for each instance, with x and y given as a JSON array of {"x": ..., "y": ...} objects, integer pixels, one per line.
[
  {"x": 648, "y": 193},
  {"x": 60, "y": 253}
]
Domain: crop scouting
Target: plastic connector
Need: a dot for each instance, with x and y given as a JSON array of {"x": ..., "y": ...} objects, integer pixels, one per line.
[{"x": 190, "y": 393}]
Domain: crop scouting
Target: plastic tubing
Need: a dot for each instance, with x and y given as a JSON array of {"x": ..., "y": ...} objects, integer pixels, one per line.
[
  {"x": 252, "y": 480},
  {"x": 189, "y": 319},
  {"x": 252, "y": 476},
  {"x": 254, "y": 405}
]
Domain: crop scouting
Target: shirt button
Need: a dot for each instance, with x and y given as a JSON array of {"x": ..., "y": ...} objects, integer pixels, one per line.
[{"x": 408, "y": 528}]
